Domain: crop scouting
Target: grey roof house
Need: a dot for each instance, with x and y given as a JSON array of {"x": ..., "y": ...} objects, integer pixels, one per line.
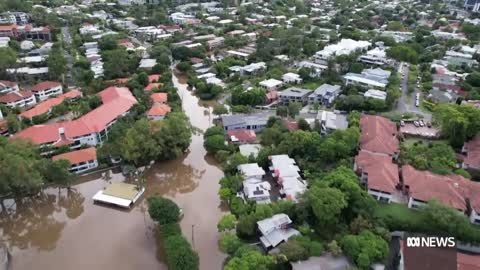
[
  {"x": 325, "y": 94},
  {"x": 275, "y": 230},
  {"x": 294, "y": 94},
  {"x": 254, "y": 121}
]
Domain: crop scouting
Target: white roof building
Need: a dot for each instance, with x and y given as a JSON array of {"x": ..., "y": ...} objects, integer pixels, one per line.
[
  {"x": 147, "y": 63},
  {"x": 285, "y": 170},
  {"x": 275, "y": 230},
  {"x": 251, "y": 170},
  {"x": 291, "y": 78},
  {"x": 377, "y": 94},
  {"x": 344, "y": 47},
  {"x": 271, "y": 84}
]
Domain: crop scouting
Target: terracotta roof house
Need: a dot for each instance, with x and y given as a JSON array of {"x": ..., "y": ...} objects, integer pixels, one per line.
[
  {"x": 160, "y": 98},
  {"x": 151, "y": 86},
  {"x": 472, "y": 151},
  {"x": 90, "y": 129},
  {"x": 378, "y": 172},
  {"x": 80, "y": 160},
  {"x": 379, "y": 135},
  {"x": 47, "y": 89},
  {"x": 242, "y": 135},
  {"x": 153, "y": 78},
  {"x": 47, "y": 105},
  {"x": 18, "y": 99},
  {"x": 8, "y": 86},
  {"x": 422, "y": 186},
  {"x": 158, "y": 112}
]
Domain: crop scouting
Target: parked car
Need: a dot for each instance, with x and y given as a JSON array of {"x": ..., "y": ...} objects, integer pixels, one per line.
[
  {"x": 429, "y": 124},
  {"x": 402, "y": 123},
  {"x": 421, "y": 123},
  {"x": 416, "y": 123}
]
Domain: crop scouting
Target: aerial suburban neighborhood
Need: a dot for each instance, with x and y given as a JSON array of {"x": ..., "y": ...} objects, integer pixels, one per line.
[{"x": 240, "y": 135}]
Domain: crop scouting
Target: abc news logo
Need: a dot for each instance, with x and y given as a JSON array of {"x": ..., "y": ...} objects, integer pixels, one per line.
[{"x": 431, "y": 242}]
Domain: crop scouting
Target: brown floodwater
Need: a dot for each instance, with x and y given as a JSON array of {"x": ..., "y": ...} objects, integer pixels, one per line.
[{"x": 65, "y": 230}]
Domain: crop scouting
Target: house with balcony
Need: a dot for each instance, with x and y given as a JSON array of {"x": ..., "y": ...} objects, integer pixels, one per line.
[
  {"x": 81, "y": 160},
  {"x": 46, "y": 89},
  {"x": 253, "y": 121},
  {"x": 378, "y": 173},
  {"x": 18, "y": 99},
  {"x": 294, "y": 94},
  {"x": 90, "y": 129},
  {"x": 325, "y": 94},
  {"x": 370, "y": 78},
  {"x": 276, "y": 230},
  {"x": 8, "y": 86}
]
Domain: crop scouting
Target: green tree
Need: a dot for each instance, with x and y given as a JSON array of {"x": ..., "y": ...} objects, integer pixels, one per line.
[
  {"x": 294, "y": 108},
  {"x": 294, "y": 251},
  {"x": 8, "y": 59},
  {"x": 163, "y": 210},
  {"x": 364, "y": 248},
  {"x": 250, "y": 259},
  {"x": 56, "y": 64},
  {"x": 229, "y": 243},
  {"x": 227, "y": 222},
  {"x": 215, "y": 143},
  {"x": 327, "y": 204},
  {"x": 56, "y": 172},
  {"x": 179, "y": 254},
  {"x": 138, "y": 145},
  {"x": 246, "y": 226},
  {"x": 334, "y": 248},
  {"x": 13, "y": 124}
]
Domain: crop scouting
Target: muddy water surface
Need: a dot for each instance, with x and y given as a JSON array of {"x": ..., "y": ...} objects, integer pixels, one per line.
[{"x": 65, "y": 230}]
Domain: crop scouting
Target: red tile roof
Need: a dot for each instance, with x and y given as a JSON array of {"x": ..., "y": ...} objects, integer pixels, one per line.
[
  {"x": 425, "y": 186},
  {"x": 159, "y": 97},
  {"x": 151, "y": 86},
  {"x": 378, "y": 134},
  {"x": 8, "y": 27},
  {"x": 382, "y": 172},
  {"x": 5, "y": 84},
  {"x": 291, "y": 125},
  {"x": 153, "y": 78},
  {"x": 116, "y": 102},
  {"x": 78, "y": 156},
  {"x": 45, "y": 86},
  {"x": 473, "y": 153},
  {"x": 45, "y": 106},
  {"x": 15, "y": 96},
  {"x": 159, "y": 110},
  {"x": 242, "y": 135}
]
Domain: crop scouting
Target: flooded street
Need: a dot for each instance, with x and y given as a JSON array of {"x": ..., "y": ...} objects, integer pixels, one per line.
[{"x": 65, "y": 230}]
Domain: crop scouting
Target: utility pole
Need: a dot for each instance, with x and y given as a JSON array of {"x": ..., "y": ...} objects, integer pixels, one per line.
[{"x": 193, "y": 236}]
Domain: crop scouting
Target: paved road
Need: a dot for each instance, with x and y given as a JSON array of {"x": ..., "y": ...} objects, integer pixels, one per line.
[
  {"x": 404, "y": 105},
  {"x": 67, "y": 38}
]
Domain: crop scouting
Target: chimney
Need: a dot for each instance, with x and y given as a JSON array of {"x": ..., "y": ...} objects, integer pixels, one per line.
[{"x": 61, "y": 131}]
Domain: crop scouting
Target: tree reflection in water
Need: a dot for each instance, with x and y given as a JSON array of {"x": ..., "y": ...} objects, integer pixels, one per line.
[{"x": 38, "y": 222}]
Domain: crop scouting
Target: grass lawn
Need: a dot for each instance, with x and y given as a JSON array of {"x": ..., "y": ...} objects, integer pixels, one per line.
[
  {"x": 311, "y": 85},
  {"x": 401, "y": 213}
]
